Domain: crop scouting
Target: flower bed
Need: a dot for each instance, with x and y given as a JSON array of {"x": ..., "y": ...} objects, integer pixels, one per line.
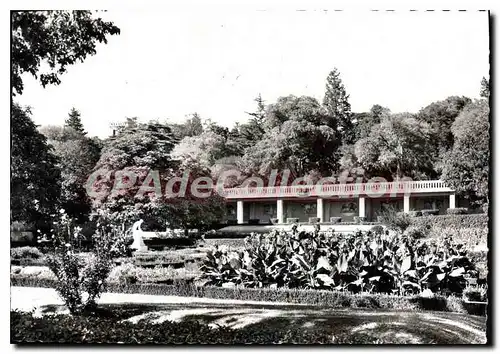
[{"x": 395, "y": 263}]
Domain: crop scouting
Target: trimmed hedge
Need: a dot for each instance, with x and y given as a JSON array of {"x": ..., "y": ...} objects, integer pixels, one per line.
[
  {"x": 454, "y": 221},
  {"x": 457, "y": 211},
  {"x": 428, "y": 212},
  {"x": 92, "y": 329},
  {"x": 295, "y": 296}
]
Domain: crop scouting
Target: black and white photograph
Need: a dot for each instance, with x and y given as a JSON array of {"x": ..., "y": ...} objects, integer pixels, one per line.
[{"x": 190, "y": 176}]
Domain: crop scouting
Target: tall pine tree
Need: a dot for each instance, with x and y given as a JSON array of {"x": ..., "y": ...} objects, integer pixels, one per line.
[
  {"x": 74, "y": 121},
  {"x": 336, "y": 102}
]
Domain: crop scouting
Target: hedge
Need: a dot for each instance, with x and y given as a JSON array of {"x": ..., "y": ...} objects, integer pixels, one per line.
[
  {"x": 334, "y": 299},
  {"x": 92, "y": 329},
  {"x": 455, "y": 221}
]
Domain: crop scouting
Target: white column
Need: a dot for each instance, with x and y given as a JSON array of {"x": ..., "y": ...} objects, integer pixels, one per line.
[
  {"x": 406, "y": 203},
  {"x": 361, "y": 207},
  {"x": 279, "y": 211},
  {"x": 319, "y": 209},
  {"x": 452, "y": 201},
  {"x": 239, "y": 211}
]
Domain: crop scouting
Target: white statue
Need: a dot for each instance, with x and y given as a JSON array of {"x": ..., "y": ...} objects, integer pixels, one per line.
[{"x": 138, "y": 243}]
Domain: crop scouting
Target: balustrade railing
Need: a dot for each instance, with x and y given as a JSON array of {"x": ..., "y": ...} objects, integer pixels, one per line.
[{"x": 332, "y": 190}]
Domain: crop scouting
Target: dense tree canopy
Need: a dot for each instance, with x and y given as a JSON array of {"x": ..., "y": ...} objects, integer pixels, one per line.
[
  {"x": 35, "y": 178},
  {"x": 396, "y": 147},
  {"x": 440, "y": 116},
  {"x": 466, "y": 166},
  {"x": 77, "y": 155},
  {"x": 55, "y": 38},
  {"x": 299, "y": 137}
]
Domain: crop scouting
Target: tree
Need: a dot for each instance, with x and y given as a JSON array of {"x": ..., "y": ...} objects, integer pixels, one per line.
[
  {"x": 440, "y": 116},
  {"x": 299, "y": 136},
  {"x": 77, "y": 157},
  {"x": 205, "y": 149},
  {"x": 55, "y": 38},
  {"x": 188, "y": 211},
  {"x": 74, "y": 121},
  {"x": 466, "y": 166},
  {"x": 137, "y": 150},
  {"x": 485, "y": 88},
  {"x": 366, "y": 121},
  {"x": 247, "y": 134},
  {"x": 35, "y": 177},
  {"x": 336, "y": 102},
  {"x": 192, "y": 126},
  {"x": 397, "y": 147}
]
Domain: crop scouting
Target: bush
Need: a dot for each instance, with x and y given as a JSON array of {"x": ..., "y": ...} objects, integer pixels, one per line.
[
  {"x": 429, "y": 212},
  {"x": 457, "y": 211},
  {"x": 378, "y": 229},
  {"x": 358, "y": 262},
  {"x": 359, "y": 219},
  {"x": 417, "y": 232},
  {"x": 476, "y": 293},
  {"x": 415, "y": 213},
  {"x": 394, "y": 219},
  {"x": 292, "y": 220},
  {"x": 80, "y": 282},
  {"x": 25, "y": 252},
  {"x": 78, "y": 329},
  {"x": 335, "y": 219},
  {"x": 314, "y": 220},
  {"x": 454, "y": 221}
]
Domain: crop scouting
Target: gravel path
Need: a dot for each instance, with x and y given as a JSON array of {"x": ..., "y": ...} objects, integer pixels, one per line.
[{"x": 360, "y": 325}]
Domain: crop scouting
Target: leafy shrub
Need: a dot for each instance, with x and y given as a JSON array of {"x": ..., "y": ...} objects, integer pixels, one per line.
[
  {"x": 20, "y": 226},
  {"x": 25, "y": 252},
  {"x": 335, "y": 219},
  {"x": 78, "y": 329},
  {"x": 378, "y": 229},
  {"x": 358, "y": 262},
  {"x": 394, "y": 219},
  {"x": 417, "y": 232},
  {"x": 428, "y": 212},
  {"x": 415, "y": 213},
  {"x": 476, "y": 293},
  {"x": 80, "y": 282},
  {"x": 124, "y": 274},
  {"x": 457, "y": 211},
  {"x": 453, "y": 221}
]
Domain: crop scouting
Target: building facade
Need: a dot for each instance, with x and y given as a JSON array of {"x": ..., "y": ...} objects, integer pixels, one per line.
[{"x": 346, "y": 201}]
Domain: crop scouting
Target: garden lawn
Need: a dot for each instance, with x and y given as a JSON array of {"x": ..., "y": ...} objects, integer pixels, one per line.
[{"x": 344, "y": 325}]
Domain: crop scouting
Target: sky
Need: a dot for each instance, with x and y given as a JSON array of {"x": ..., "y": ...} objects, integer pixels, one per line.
[{"x": 167, "y": 64}]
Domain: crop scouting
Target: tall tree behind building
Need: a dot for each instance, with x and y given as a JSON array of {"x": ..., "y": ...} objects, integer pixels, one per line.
[{"x": 336, "y": 102}]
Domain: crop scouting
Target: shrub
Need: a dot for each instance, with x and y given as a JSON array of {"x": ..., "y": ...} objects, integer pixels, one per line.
[
  {"x": 358, "y": 262},
  {"x": 80, "y": 282},
  {"x": 394, "y": 219},
  {"x": 314, "y": 220},
  {"x": 454, "y": 221},
  {"x": 415, "y": 213},
  {"x": 476, "y": 293},
  {"x": 428, "y": 212},
  {"x": 292, "y": 220},
  {"x": 457, "y": 211},
  {"x": 335, "y": 219},
  {"x": 378, "y": 229},
  {"x": 25, "y": 252},
  {"x": 124, "y": 274},
  {"x": 417, "y": 232}
]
